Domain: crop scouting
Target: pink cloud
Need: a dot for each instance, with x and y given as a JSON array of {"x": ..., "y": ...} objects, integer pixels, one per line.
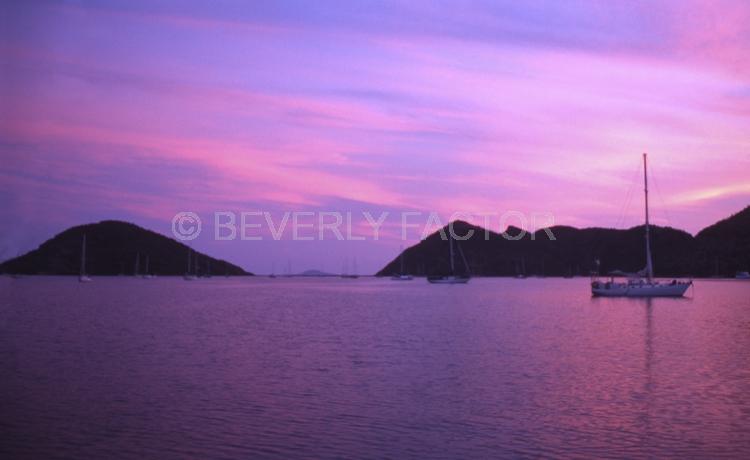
[{"x": 155, "y": 109}]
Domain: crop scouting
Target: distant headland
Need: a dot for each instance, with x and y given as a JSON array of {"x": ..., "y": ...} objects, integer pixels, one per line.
[
  {"x": 719, "y": 250},
  {"x": 116, "y": 248}
]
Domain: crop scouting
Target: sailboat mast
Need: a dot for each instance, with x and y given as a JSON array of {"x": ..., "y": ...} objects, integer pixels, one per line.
[
  {"x": 453, "y": 269},
  {"x": 83, "y": 256},
  {"x": 649, "y": 264}
]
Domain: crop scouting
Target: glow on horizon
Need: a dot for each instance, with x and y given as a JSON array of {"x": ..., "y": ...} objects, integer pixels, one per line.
[{"x": 135, "y": 112}]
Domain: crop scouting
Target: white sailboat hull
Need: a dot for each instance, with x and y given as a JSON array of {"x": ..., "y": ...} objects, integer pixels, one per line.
[
  {"x": 610, "y": 289},
  {"x": 84, "y": 279},
  {"x": 402, "y": 277}
]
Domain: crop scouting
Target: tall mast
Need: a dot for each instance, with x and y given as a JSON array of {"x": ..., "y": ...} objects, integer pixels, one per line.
[
  {"x": 83, "y": 256},
  {"x": 649, "y": 264},
  {"x": 450, "y": 238}
]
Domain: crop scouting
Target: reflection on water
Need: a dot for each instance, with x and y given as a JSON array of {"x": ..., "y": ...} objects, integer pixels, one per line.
[{"x": 370, "y": 368}]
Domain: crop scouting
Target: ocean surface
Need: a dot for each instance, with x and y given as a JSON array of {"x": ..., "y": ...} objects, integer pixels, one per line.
[{"x": 369, "y": 368}]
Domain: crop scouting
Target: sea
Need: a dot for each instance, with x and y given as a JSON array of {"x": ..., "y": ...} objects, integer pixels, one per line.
[{"x": 255, "y": 367}]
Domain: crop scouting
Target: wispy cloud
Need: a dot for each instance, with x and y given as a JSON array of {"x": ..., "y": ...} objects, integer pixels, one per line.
[{"x": 139, "y": 110}]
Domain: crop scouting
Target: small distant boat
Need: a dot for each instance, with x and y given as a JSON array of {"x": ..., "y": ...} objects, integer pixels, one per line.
[
  {"x": 288, "y": 272},
  {"x": 83, "y": 277},
  {"x": 636, "y": 285},
  {"x": 147, "y": 275},
  {"x": 742, "y": 275},
  {"x": 345, "y": 271},
  {"x": 207, "y": 273},
  {"x": 402, "y": 276},
  {"x": 449, "y": 279},
  {"x": 521, "y": 269},
  {"x": 189, "y": 276},
  {"x": 453, "y": 278}
]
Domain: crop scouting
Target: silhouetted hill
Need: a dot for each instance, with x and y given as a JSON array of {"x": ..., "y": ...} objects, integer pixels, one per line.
[
  {"x": 575, "y": 251},
  {"x": 111, "y": 248},
  {"x": 724, "y": 247}
]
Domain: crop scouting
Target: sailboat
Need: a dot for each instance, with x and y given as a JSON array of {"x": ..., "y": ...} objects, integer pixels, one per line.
[
  {"x": 636, "y": 285},
  {"x": 147, "y": 275},
  {"x": 452, "y": 278},
  {"x": 189, "y": 276},
  {"x": 345, "y": 271},
  {"x": 402, "y": 276},
  {"x": 521, "y": 269},
  {"x": 83, "y": 277},
  {"x": 288, "y": 268}
]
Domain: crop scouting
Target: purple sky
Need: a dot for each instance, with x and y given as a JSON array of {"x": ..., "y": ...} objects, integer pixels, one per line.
[{"x": 138, "y": 110}]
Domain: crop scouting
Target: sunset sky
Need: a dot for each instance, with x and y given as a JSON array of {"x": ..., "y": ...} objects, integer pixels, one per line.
[{"x": 136, "y": 110}]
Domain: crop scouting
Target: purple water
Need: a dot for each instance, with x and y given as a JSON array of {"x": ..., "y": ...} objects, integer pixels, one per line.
[{"x": 239, "y": 368}]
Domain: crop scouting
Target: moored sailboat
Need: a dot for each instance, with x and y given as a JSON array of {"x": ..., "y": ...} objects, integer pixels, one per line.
[
  {"x": 452, "y": 278},
  {"x": 188, "y": 276},
  {"x": 345, "y": 270},
  {"x": 147, "y": 275},
  {"x": 641, "y": 284},
  {"x": 82, "y": 276},
  {"x": 402, "y": 276}
]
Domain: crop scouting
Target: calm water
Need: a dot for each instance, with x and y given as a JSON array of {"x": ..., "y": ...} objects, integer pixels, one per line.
[{"x": 230, "y": 368}]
